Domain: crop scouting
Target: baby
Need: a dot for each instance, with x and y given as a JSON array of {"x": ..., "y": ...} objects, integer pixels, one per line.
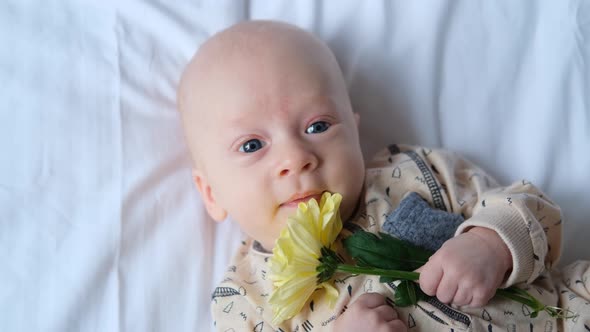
[{"x": 269, "y": 124}]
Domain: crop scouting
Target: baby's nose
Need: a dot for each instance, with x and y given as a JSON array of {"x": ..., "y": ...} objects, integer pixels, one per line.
[{"x": 298, "y": 161}]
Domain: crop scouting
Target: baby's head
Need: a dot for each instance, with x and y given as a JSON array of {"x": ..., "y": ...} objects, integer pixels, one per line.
[{"x": 269, "y": 124}]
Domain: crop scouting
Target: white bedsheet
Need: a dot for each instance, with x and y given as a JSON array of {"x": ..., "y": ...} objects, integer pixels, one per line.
[{"x": 101, "y": 228}]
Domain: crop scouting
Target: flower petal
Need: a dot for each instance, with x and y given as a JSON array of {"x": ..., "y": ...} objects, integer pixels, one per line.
[
  {"x": 289, "y": 299},
  {"x": 295, "y": 260}
]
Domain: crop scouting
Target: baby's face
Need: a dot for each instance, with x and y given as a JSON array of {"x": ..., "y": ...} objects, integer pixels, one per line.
[{"x": 279, "y": 130}]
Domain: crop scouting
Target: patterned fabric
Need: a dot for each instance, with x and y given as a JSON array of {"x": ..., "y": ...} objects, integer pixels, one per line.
[{"x": 412, "y": 187}]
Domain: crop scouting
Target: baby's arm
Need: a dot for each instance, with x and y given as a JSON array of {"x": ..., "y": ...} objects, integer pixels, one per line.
[
  {"x": 370, "y": 312},
  {"x": 510, "y": 234},
  {"x": 468, "y": 268}
]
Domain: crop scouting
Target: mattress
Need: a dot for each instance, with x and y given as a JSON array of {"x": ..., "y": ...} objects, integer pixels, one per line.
[{"x": 101, "y": 227}]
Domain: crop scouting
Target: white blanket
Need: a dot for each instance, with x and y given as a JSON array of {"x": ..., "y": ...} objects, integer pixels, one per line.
[{"x": 101, "y": 228}]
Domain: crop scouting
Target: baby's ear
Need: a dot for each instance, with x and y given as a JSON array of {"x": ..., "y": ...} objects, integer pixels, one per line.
[{"x": 215, "y": 211}]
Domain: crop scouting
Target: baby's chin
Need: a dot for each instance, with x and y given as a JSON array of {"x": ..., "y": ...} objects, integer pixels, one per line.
[
  {"x": 266, "y": 247},
  {"x": 348, "y": 209}
]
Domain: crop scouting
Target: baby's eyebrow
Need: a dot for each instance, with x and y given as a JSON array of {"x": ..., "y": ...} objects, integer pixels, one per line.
[
  {"x": 325, "y": 101},
  {"x": 318, "y": 102},
  {"x": 240, "y": 122}
]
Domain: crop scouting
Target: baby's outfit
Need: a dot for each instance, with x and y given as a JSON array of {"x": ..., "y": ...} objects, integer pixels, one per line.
[{"x": 425, "y": 196}]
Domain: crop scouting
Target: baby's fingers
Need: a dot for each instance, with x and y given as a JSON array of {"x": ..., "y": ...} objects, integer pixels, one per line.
[
  {"x": 430, "y": 277},
  {"x": 480, "y": 298},
  {"x": 386, "y": 313},
  {"x": 447, "y": 289},
  {"x": 474, "y": 297},
  {"x": 370, "y": 300},
  {"x": 462, "y": 297},
  {"x": 397, "y": 326}
]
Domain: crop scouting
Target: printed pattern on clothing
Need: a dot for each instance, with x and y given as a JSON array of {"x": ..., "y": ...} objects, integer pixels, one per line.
[{"x": 240, "y": 301}]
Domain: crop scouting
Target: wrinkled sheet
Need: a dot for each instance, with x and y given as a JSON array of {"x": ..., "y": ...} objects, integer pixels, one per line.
[{"x": 101, "y": 228}]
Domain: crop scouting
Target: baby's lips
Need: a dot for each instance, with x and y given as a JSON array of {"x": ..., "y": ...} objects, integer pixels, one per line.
[{"x": 296, "y": 199}]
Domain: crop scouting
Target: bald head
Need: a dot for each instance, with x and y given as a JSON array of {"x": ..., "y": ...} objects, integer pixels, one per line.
[
  {"x": 249, "y": 65},
  {"x": 254, "y": 39},
  {"x": 267, "y": 116}
]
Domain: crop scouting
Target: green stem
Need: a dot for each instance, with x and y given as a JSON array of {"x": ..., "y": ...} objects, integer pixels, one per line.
[
  {"x": 505, "y": 293},
  {"x": 396, "y": 274},
  {"x": 511, "y": 293}
]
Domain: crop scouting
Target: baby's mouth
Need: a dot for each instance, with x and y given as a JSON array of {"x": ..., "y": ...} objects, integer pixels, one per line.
[{"x": 302, "y": 198}]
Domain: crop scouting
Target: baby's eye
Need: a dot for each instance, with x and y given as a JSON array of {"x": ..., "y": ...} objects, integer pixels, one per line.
[
  {"x": 317, "y": 127},
  {"x": 252, "y": 145}
]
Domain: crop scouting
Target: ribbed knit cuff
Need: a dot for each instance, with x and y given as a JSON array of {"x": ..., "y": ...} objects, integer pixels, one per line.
[{"x": 509, "y": 224}]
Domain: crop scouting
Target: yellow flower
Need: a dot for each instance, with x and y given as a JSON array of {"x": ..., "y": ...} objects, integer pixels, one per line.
[{"x": 296, "y": 256}]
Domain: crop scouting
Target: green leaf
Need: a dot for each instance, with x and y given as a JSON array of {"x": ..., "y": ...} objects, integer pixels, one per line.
[
  {"x": 408, "y": 293},
  {"x": 385, "y": 251},
  {"x": 328, "y": 263}
]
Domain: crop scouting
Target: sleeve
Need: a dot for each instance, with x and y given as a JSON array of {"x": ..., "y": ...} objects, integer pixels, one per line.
[{"x": 523, "y": 216}]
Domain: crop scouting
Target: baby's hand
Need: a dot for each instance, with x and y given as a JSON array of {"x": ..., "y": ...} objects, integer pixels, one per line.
[
  {"x": 467, "y": 269},
  {"x": 369, "y": 312}
]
